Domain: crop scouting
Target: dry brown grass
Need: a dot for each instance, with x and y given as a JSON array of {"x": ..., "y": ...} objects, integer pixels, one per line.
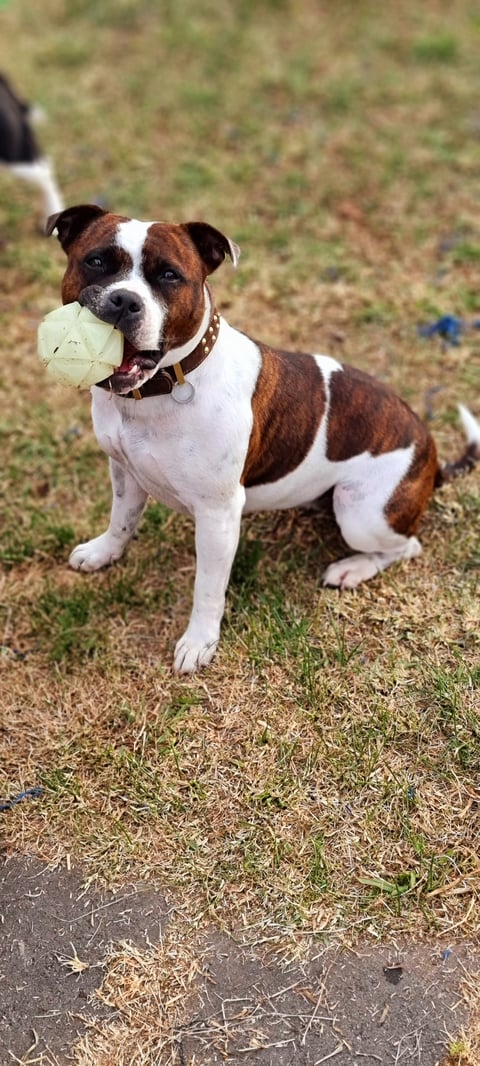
[{"x": 149, "y": 992}]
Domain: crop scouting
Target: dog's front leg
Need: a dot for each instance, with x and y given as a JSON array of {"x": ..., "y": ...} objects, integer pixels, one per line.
[
  {"x": 216, "y": 539},
  {"x": 128, "y": 503}
]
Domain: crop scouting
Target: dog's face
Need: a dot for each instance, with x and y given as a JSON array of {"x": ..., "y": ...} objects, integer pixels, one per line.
[{"x": 145, "y": 278}]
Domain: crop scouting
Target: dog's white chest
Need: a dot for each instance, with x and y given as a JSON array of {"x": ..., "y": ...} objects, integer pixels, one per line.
[
  {"x": 181, "y": 455},
  {"x": 151, "y": 450}
]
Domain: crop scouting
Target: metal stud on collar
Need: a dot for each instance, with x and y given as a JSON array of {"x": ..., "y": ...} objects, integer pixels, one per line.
[{"x": 213, "y": 335}]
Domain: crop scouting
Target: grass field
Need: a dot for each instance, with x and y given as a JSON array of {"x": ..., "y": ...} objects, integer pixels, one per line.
[{"x": 322, "y": 777}]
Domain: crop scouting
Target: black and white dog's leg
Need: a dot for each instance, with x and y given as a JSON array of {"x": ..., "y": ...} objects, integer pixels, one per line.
[
  {"x": 41, "y": 173},
  {"x": 128, "y": 504},
  {"x": 217, "y": 532}
]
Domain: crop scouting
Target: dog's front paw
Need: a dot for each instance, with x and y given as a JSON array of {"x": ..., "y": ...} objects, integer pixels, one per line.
[
  {"x": 191, "y": 653},
  {"x": 101, "y": 551}
]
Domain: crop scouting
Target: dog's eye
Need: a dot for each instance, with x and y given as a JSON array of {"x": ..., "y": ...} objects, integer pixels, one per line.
[
  {"x": 95, "y": 262},
  {"x": 167, "y": 273}
]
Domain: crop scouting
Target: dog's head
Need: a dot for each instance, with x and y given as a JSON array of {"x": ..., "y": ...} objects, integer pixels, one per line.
[{"x": 145, "y": 278}]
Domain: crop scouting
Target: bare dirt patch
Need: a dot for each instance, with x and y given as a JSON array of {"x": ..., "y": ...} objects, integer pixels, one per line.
[
  {"x": 54, "y": 938},
  {"x": 378, "y": 1004}
]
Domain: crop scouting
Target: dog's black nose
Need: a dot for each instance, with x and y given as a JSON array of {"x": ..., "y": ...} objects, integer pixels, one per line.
[{"x": 124, "y": 304}]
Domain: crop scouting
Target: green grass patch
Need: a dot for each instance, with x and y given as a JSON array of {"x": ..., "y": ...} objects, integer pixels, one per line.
[{"x": 435, "y": 48}]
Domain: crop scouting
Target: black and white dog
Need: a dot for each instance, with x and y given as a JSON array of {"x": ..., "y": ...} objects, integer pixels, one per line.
[{"x": 19, "y": 150}]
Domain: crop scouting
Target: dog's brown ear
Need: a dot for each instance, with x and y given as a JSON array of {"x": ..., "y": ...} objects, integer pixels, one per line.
[
  {"x": 212, "y": 245},
  {"x": 71, "y": 222}
]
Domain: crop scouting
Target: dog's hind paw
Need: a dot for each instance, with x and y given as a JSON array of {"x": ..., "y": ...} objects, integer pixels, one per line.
[
  {"x": 350, "y": 572},
  {"x": 191, "y": 654}
]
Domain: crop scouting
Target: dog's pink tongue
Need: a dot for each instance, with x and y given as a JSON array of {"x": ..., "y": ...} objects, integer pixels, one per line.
[
  {"x": 124, "y": 366},
  {"x": 129, "y": 355}
]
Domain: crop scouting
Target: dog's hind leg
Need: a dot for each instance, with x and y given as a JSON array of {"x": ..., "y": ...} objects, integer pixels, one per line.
[
  {"x": 128, "y": 504},
  {"x": 378, "y": 509}
]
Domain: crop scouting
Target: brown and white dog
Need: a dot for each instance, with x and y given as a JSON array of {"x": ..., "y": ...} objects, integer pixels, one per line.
[{"x": 214, "y": 424}]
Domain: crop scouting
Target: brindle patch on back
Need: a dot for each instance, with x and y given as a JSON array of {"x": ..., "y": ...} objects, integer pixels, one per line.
[
  {"x": 288, "y": 405},
  {"x": 366, "y": 416}
]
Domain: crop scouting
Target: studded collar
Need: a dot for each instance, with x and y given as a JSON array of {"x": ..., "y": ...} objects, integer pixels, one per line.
[{"x": 168, "y": 377}]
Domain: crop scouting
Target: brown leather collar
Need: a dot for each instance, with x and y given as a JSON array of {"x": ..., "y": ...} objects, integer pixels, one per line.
[{"x": 164, "y": 380}]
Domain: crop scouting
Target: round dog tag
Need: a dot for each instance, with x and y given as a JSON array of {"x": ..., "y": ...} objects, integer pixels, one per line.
[{"x": 183, "y": 393}]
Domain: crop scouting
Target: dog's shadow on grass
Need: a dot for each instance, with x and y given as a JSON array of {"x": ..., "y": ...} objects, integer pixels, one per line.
[{"x": 274, "y": 545}]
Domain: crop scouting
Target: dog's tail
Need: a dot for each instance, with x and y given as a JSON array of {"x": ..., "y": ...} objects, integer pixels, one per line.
[{"x": 469, "y": 457}]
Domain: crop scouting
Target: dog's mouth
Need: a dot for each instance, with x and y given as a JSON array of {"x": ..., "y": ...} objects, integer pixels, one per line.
[{"x": 136, "y": 368}]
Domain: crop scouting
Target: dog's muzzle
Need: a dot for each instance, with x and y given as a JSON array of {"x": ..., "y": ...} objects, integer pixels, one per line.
[
  {"x": 121, "y": 308},
  {"x": 124, "y": 309}
]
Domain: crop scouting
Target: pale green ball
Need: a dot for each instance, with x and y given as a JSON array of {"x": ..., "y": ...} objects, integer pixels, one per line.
[{"x": 77, "y": 348}]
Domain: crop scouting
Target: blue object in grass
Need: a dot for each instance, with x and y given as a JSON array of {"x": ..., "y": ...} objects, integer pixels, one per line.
[
  {"x": 30, "y": 793},
  {"x": 449, "y": 327}
]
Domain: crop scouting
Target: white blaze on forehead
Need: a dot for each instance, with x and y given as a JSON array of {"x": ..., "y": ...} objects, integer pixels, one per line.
[{"x": 131, "y": 237}]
